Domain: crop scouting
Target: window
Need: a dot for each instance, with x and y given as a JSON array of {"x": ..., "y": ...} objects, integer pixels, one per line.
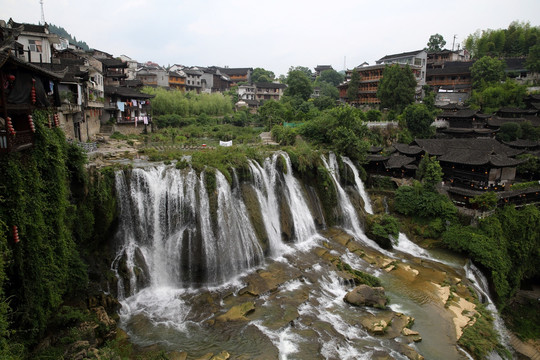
[{"x": 34, "y": 45}]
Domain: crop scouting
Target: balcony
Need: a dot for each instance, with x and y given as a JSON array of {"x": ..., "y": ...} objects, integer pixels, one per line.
[{"x": 23, "y": 139}]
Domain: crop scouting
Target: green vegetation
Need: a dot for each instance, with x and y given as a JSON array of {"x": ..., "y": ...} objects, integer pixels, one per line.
[
  {"x": 480, "y": 339},
  {"x": 397, "y": 88},
  {"x": 436, "y": 43},
  {"x": 168, "y": 102},
  {"x": 523, "y": 318},
  {"x": 515, "y": 41},
  {"x": 507, "y": 244},
  {"x": 360, "y": 277},
  {"x": 60, "y": 216},
  {"x": 382, "y": 228}
]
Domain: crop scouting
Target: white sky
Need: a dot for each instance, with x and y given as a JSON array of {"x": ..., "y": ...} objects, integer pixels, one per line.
[{"x": 270, "y": 34}]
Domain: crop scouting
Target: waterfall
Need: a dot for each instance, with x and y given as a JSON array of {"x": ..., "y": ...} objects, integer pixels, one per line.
[
  {"x": 481, "y": 286},
  {"x": 304, "y": 225},
  {"x": 348, "y": 212},
  {"x": 359, "y": 185},
  {"x": 264, "y": 182},
  {"x": 166, "y": 237}
]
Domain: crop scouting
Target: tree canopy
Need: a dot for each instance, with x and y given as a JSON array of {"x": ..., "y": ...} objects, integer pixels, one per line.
[
  {"x": 487, "y": 71},
  {"x": 262, "y": 75},
  {"x": 511, "y": 42},
  {"x": 330, "y": 76},
  {"x": 533, "y": 60},
  {"x": 352, "y": 89},
  {"x": 436, "y": 43},
  {"x": 492, "y": 97},
  {"x": 397, "y": 87},
  {"x": 418, "y": 119},
  {"x": 298, "y": 85}
]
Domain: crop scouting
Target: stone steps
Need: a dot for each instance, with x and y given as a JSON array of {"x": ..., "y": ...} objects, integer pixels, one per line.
[{"x": 523, "y": 348}]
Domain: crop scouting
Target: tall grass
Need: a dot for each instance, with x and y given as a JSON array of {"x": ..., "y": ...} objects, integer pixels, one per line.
[{"x": 182, "y": 103}]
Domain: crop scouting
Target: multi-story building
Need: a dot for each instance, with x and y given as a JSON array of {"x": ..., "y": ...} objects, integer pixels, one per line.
[
  {"x": 35, "y": 41},
  {"x": 370, "y": 77},
  {"x": 114, "y": 71},
  {"x": 269, "y": 91},
  {"x": 237, "y": 75},
  {"x": 213, "y": 80},
  {"x": 417, "y": 61},
  {"x": 177, "y": 80},
  {"x": 193, "y": 79}
]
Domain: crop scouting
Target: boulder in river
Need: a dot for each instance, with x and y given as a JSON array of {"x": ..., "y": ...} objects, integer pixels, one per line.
[{"x": 364, "y": 295}]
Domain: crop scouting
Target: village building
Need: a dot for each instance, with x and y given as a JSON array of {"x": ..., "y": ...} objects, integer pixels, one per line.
[
  {"x": 152, "y": 75},
  {"x": 114, "y": 71},
  {"x": 269, "y": 91},
  {"x": 213, "y": 80},
  {"x": 26, "y": 87},
  {"x": 34, "y": 42},
  {"x": 177, "y": 80},
  {"x": 451, "y": 81},
  {"x": 193, "y": 79},
  {"x": 237, "y": 75},
  {"x": 128, "y": 109}
]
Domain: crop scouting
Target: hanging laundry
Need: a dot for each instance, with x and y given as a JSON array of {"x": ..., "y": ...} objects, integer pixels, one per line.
[
  {"x": 120, "y": 106},
  {"x": 145, "y": 120},
  {"x": 134, "y": 102}
]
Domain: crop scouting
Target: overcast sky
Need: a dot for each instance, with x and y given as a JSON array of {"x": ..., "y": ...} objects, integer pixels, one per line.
[{"x": 270, "y": 34}]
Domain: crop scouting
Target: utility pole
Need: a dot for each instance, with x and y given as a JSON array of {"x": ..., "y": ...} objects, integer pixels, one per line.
[
  {"x": 42, "y": 13},
  {"x": 453, "y": 42}
]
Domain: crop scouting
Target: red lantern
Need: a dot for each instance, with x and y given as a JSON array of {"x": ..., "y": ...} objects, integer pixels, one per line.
[
  {"x": 10, "y": 126},
  {"x": 33, "y": 91},
  {"x": 15, "y": 234},
  {"x": 49, "y": 119},
  {"x": 56, "y": 121},
  {"x": 31, "y": 122}
]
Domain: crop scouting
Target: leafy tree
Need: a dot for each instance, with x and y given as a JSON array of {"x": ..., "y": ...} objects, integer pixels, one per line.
[
  {"x": 530, "y": 168},
  {"x": 486, "y": 201},
  {"x": 330, "y": 76},
  {"x": 272, "y": 112},
  {"x": 262, "y": 75},
  {"x": 418, "y": 119},
  {"x": 509, "y": 132},
  {"x": 373, "y": 115},
  {"x": 436, "y": 43},
  {"x": 328, "y": 90},
  {"x": 299, "y": 85},
  {"x": 352, "y": 89},
  {"x": 487, "y": 71},
  {"x": 397, "y": 87},
  {"x": 430, "y": 172},
  {"x": 324, "y": 102},
  {"x": 533, "y": 60},
  {"x": 512, "y": 42},
  {"x": 303, "y": 69},
  {"x": 492, "y": 97}
]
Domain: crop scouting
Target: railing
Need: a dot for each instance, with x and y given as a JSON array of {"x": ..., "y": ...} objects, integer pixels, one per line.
[{"x": 22, "y": 139}]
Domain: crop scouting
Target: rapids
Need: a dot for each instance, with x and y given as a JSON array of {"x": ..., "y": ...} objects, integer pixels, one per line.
[{"x": 194, "y": 278}]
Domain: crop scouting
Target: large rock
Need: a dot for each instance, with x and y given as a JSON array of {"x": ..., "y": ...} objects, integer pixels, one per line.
[
  {"x": 364, "y": 295},
  {"x": 238, "y": 312}
]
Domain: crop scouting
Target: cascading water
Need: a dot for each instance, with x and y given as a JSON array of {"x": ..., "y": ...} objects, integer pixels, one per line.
[
  {"x": 264, "y": 182},
  {"x": 304, "y": 225},
  {"x": 166, "y": 231},
  {"x": 175, "y": 237},
  {"x": 480, "y": 284},
  {"x": 359, "y": 185}
]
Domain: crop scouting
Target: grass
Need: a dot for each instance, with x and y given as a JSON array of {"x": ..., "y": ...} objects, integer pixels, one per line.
[{"x": 523, "y": 319}]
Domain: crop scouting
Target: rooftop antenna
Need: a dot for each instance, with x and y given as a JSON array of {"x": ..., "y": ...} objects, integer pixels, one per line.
[
  {"x": 42, "y": 13},
  {"x": 453, "y": 42}
]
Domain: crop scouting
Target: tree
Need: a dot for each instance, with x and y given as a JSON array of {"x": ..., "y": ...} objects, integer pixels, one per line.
[
  {"x": 533, "y": 60},
  {"x": 303, "y": 69},
  {"x": 262, "y": 75},
  {"x": 298, "y": 85},
  {"x": 487, "y": 71},
  {"x": 330, "y": 76},
  {"x": 436, "y": 43},
  {"x": 352, "y": 89},
  {"x": 509, "y": 132},
  {"x": 397, "y": 87},
  {"x": 430, "y": 172},
  {"x": 494, "y": 96},
  {"x": 418, "y": 119},
  {"x": 272, "y": 112},
  {"x": 486, "y": 201}
]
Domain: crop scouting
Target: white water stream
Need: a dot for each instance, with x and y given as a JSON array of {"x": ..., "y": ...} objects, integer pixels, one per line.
[{"x": 176, "y": 266}]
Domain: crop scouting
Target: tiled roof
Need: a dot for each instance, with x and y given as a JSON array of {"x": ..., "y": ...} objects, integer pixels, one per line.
[
  {"x": 269, "y": 85},
  {"x": 235, "y": 71},
  {"x": 407, "y": 149},
  {"x": 114, "y": 63},
  {"x": 498, "y": 121},
  {"x": 126, "y": 92},
  {"x": 395, "y": 56},
  {"x": 452, "y": 67},
  {"x": 399, "y": 161}
]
